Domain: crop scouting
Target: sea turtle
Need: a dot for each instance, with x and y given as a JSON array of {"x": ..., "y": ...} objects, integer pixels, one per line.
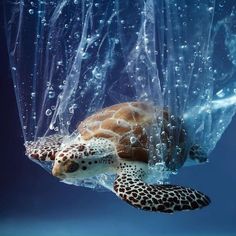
[{"x": 117, "y": 140}]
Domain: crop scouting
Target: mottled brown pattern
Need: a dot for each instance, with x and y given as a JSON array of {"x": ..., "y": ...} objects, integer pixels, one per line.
[
  {"x": 118, "y": 106},
  {"x": 124, "y": 151},
  {"x": 125, "y": 113},
  {"x": 102, "y": 115},
  {"x": 146, "y": 107},
  {"x": 105, "y": 134},
  {"x": 125, "y": 120},
  {"x": 125, "y": 140},
  {"x": 86, "y": 133},
  {"x": 141, "y": 136},
  {"x": 119, "y": 123},
  {"x": 139, "y": 117},
  {"x": 115, "y": 126},
  {"x": 93, "y": 125},
  {"x": 140, "y": 154}
]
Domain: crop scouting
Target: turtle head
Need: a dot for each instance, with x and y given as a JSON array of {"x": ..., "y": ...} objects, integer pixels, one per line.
[
  {"x": 44, "y": 148},
  {"x": 83, "y": 159},
  {"x": 71, "y": 160}
]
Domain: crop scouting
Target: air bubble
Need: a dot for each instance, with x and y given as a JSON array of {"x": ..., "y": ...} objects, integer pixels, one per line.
[
  {"x": 33, "y": 94},
  {"x": 60, "y": 86},
  {"x": 76, "y": 35},
  {"x": 142, "y": 57},
  {"x": 51, "y": 127},
  {"x": 183, "y": 46},
  {"x": 177, "y": 68},
  {"x": 97, "y": 73},
  {"x": 31, "y": 11},
  {"x": 85, "y": 55},
  {"x": 59, "y": 63},
  {"x": 163, "y": 133},
  {"x": 48, "y": 112},
  {"x": 116, "y": 41},
  {"x": 133, "y": 140},
  {"x": 72, "y": 108},
  {"x": 51, "y": 94},
  {"x": 211, "y": 9},
  {"x": 220, "y": 93}
]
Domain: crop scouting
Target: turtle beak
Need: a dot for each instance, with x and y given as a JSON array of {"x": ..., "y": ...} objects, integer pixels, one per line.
[{"x": 57, "y": 172}]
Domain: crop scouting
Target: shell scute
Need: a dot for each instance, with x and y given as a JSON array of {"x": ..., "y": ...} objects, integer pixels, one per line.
[
  {"x": 100, "y": 116},
  {"x": 105, "y": 134},
  {"x": 115, "y": 126},
  {"x": 126, "y": 114},
  {"x": 127, "y": 125}
]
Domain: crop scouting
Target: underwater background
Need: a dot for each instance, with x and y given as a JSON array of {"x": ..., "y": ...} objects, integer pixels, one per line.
[{"x": 34, "y": 203}]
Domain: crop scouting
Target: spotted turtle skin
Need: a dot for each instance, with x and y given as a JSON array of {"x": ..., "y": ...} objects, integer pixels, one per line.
[{"x": 118, "y": 141}]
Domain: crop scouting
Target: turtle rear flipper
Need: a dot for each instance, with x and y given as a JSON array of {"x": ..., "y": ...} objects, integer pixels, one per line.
[
  {"x": 196, "y": 153},
  {"x": 164, "y": 198}
]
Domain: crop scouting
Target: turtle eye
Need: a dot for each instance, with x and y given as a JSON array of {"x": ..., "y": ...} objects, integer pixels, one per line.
[{"x": 71, "y": 166}]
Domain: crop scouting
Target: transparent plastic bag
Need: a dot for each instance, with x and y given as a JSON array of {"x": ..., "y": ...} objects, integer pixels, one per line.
[{"x": 69, "y": 59}]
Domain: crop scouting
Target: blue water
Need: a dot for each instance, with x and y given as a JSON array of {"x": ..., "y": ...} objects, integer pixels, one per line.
[{"x": 34, "y": 203}]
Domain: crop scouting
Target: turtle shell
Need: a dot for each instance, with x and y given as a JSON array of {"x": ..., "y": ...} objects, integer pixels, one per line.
[{"x": 126, "y": 125}]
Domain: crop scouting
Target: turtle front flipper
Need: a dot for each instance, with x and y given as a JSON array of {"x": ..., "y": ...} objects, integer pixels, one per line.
[
  {"x": 130, "y": 187},
  {"x": 44, "y": 148}
]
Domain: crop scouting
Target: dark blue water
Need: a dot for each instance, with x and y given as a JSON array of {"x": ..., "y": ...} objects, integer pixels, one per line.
[{"x": 34, "y": 203}]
